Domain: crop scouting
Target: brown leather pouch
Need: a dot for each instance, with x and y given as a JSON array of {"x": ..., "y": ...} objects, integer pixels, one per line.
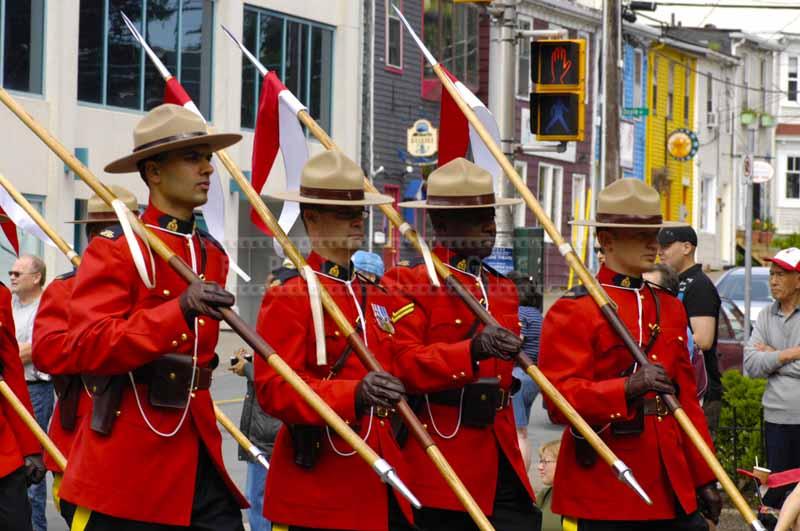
[
  {"x": 584, "y": 453},
  {"x": 106, "y": 397},
  {"x": 170, "y": 381},
  {"x": 307, "y": 443},
  {"x": 482, "y": 398},
  {"x": 634, "y": 426},
  {"x": 68, "y": 390}
]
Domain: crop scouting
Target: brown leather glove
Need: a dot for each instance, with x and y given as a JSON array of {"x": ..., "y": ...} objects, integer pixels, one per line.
[
  {"x": 710, "y": 501},
  {"x": 34, "y": 469},
  {"x": 648, "y": 378},
  {"x": 379, "y": 389},
  {"x": 203, "y": 298},
  {"x": 495, "y": 342}
]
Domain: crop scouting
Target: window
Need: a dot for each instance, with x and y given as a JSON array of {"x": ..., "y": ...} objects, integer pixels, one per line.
[
  {"x": 654, "y": 105},
  {"x": 670, "y": 89},
  {"x": 729, "y": 115},
  {"x": 524, "y": 60},
  {"x": 578, "y": 211},
  {"x": 708, "y": 204},
  {"x": 792, "y": 76},
  {"x": 114, "y": 70},
  {"x": 22, "y": 45},
  {"x": 793, "y": 177},
  {"x": 550, "y": 192},
  {"x": 687, "y": 80},
  {"x": 638, "y": 95},
  {"x": 450, "y": 31},
  {"x": 745, "y": 96},
  {"x": 299, "y": 51},
  {"x": 709, "y": 93},
  {"x": 394, "y": 37}
]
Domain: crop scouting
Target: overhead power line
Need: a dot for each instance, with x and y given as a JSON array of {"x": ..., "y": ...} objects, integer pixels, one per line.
[{"x": 729, "y": 6}]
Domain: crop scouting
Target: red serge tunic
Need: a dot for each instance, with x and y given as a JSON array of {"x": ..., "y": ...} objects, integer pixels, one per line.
[
  {"x": 115, "y": 325},
  {"x": 340, "y": 492},
  {"x": 16, "y": 440},
  {"x": 432, "y": 353},
  {"x": 584, "y": 358},
  {"x": 49, "y": 333}
]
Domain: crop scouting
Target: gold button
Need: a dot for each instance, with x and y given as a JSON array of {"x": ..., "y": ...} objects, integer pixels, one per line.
[
  {"x": 680, "y": 338},
  {"x": 463, "y": 374},
  {"x": 184, "y": 336},
  {"x": 499, "y": 376},
  {"x": 192, "y": 395},
  {"x": 202, "y": 276},
  {"x": 382, "y": 423},
  {"x": 174, "y": 343},
  {"x": 425, "y": 426},
  {"x": 347, "y": 421},
  {"x": 201, "y": 322},
  {"x": 458, "y": 321},
  {"x": 172, "y": 376},
  {"x": 455, "y": 377},
  {"x": 336, "y": 333},
  {"x": 166, "y": 293},
  {"x": 612, "y": 416},
  {"x": 654, "y": 357},
  {"x": 483, "y": 397},
  {"x": 94, "y": 388},
  {"x": 118, "y": 412},
  {"x": 659, "y": 419}
]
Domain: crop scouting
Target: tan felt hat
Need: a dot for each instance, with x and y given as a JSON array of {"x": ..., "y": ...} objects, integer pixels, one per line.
[
  {"x": 331, "y": 178},
  {"x": 166, "y": 128},
  {"x": 460, "y": 184},
  {"x": 628, "y": 203},
  {"x": 97, "y": 211}
]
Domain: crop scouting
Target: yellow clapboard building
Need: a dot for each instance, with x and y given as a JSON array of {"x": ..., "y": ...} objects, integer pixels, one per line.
[{"x": 671, "y": 101}]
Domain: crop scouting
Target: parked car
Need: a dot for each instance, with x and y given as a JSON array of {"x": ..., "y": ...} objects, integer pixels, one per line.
[
  {"x": 731, "y": 286},
  {"x": 730, "y": 336}
]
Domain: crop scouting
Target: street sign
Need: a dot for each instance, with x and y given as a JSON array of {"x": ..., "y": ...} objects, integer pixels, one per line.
[
  {"x": 682, "y": 144},
  {"x": 762, "y": 171},
  {"x": 635, "y": 112},
  {"x": 557, "y": 104},
  {"x": 747, "y": 166}
]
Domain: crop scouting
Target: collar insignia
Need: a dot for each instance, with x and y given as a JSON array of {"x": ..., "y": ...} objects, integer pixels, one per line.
[
  {"x": 334, "y": 271},
  {"x": 462, "y": 264},
  {"x": 107, "y": 233},
  {"x": 172, "y": 225},
  {"x": 625, "y": 282},
  {"x": 383, "y": 318}
]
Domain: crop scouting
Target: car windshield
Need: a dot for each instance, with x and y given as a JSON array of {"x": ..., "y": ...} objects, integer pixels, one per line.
[
  {"x": 735, "y": 318},
  {"x": 732, "y": 287}
]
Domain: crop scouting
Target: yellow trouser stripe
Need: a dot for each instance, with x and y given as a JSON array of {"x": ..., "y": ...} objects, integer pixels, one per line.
[
  {"x": 81, "y": 519},
  {"x": 56, "y": 486},
  {"x": 569, "y": 524},
  {"x": 280, "y": 527}
]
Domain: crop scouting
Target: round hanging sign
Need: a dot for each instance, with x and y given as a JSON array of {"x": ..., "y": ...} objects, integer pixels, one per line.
[{"x": 682, "y": 144}]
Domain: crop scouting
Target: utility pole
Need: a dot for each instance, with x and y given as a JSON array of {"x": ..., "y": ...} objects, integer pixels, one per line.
[
  {"x": 502, "y": 44},
  {"x": 612, "y": 20},
  {"x": 747, "y": 175}
]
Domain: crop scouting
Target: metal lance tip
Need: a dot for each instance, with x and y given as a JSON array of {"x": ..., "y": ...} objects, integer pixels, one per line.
[
  {"x": 390, "y": 477},
  {"x": 757, "y": 526},
  {"x": 625, "y": 475},
  {"x": 263, "y": 460}
]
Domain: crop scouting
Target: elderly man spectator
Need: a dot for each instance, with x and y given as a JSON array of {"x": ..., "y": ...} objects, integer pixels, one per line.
[
  {"x": 677, "y": 246},
  {"x": 773, "y": 352},
  {"x": 27, "y": 282}
]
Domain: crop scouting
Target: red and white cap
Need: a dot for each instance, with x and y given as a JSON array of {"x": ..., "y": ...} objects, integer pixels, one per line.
[{"x": 788, "y": 259}]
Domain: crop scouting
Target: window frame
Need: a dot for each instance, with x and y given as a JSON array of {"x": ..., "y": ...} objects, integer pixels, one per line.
[
  {"x": 671, "y": 90},
  {"x": 519, "y": 211},
  {"x": 552, "y": 193},
  {"x": 523, "y": 43},
  {"x": 654, "y": 85},
  {"x": 708, "y": 204},
  {"x": 42, "y": 56},
  {"x": 785, "y": 200},
  {"x": 144, "y": 60},
  {"x": 390, "y": 14},
  {"x": 687, "y": 81},
  {"x": 311, "y": 24},
  {"x": 638, "y": 85},
  {"x": 793, "y": 78}
]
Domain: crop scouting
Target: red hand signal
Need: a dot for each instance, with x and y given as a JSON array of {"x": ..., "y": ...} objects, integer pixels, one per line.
[{"x": 559, "y": 54}]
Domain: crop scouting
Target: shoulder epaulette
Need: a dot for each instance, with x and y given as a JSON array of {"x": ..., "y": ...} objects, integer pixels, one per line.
[
  {"x": 412, "y": 262},
  {"x": 493, "y": 271},
  {"x": 68, "y": 274},
  {"x": 576, "y": 293},
  {"x": 209, "y": 237},
  {"x": 283, "y": 275},
  {"x": 112, "y": 232}
]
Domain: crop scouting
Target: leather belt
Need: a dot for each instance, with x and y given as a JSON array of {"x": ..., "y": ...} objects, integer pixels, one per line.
[
  {"x": 655, "y": 407},
  {"x": 452, "y": 397},
  {"x": 200, "y": 382}
]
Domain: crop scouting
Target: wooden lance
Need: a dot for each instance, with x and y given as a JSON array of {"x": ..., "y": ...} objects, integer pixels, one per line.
[
  {"x": 623, "y": 472},
  {"x": 607, "y": 307},
  {"x": 381, "y": 467}
]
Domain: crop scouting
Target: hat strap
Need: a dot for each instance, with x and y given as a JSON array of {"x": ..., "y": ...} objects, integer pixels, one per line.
[
  {"x": 461, "y": 200},
  {"x": 629, "y": 219},
  {"x": 327, "y": 193},
  {"x": 168, "y": 139}
]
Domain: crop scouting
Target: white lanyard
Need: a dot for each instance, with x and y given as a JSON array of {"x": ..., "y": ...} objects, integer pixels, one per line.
[
  {"x": 479, "y": 281},
  {"x": 638, "y": 293}
]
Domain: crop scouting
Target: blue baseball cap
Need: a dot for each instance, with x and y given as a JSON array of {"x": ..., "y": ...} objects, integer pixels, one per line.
[{"x": 368, "y": 262}]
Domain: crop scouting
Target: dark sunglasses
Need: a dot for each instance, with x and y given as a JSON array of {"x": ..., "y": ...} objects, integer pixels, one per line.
[
  {"x": 18, "y": 273},
  {"x": 346, "y": 214}
]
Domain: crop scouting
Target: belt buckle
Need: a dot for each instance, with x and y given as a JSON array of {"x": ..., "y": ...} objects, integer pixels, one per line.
[
  {"x": 382, "y": 412},
  {"x": 661, "y": 407}
]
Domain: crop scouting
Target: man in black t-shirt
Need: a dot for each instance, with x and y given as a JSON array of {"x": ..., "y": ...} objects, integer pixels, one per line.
[{"x": 700, "y": 298}]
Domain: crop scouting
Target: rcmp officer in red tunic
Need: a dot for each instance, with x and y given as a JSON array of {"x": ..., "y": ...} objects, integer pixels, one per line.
[
  {"x": 20, "y": 453},
  {"x": 587, "y": 362},
  {"x": 316, "y": 481},
  {"x": 49, "y": 333},
  {"x": 460, "y": 370},
  {"x": 149, "y": 456}
]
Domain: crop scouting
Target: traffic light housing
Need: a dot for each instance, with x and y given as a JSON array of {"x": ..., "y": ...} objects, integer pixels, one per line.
[{"x": 558, "y": 71}]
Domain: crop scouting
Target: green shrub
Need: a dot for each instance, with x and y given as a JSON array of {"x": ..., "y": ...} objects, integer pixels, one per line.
[
  {"x": 785, "y": 241},
  {"x": 739, "y": 437}
]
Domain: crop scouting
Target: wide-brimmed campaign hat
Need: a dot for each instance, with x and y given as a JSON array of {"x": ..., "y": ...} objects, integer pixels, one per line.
[
  {"x": 460, "y": 184},
  {"x": 166, "y": 128},
  {"x": 97, "y": 211},
  {"x": 628, "y": 203},
  {"x": 331, "y": 178}
]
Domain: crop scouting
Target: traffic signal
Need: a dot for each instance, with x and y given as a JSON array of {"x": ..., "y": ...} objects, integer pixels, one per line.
[{"x": 558, "y": 71}]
